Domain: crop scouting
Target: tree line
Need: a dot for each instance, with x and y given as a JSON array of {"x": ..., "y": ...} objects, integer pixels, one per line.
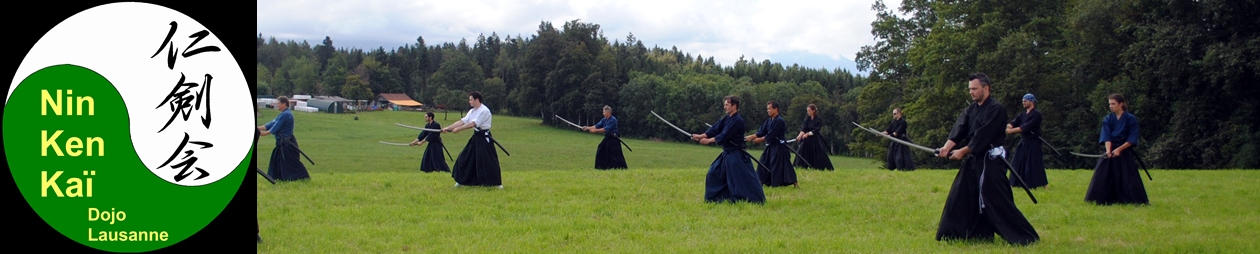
[
  {"x": 1187, "y": 68},
  {"x": 571, "y": 71}
]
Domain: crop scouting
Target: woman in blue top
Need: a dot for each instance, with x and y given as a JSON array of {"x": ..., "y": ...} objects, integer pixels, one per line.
[
  {"x": 1116, "y": 179},
  {"x": 608, "y": 155},
  {"x": 285, "y": 164}
]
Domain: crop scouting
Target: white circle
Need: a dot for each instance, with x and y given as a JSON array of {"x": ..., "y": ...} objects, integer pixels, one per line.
[{"x": 119, "y": 41}]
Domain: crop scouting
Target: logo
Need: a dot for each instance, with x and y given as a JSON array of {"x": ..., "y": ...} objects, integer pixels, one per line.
[{"x": 127, "y": 127}]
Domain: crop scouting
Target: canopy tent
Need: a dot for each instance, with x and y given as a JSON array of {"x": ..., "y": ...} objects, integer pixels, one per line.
[{"x": 397, "y": 99}]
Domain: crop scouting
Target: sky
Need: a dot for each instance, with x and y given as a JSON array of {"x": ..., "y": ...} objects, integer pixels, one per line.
[{"x": 814, "y": 34}]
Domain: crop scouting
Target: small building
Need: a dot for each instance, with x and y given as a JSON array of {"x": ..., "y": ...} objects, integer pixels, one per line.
[
  {"x": 266, "y": 103},
  {"x": 344, "y": 105},
  {"x": 330, "y": 106}
]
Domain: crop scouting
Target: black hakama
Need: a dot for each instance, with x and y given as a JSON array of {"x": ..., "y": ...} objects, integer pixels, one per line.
[
  {"x": 1117, "y": 181},
  {"x": 776, "y": 156},
  {"x": 899, "y": 157},
  {"x": 434, "y": 160},
  {"x": 478, "y": 164},
  {"x": 286, "y": 161},
  {"x": 608, "y": 155},
  {"x": 811, "y": 150},
  {"x": 1029, "y": 165},
  {"x": 731, "y": 176},
  {"x": 981, "y": 203},
  {"x": 780, "y": 173}
]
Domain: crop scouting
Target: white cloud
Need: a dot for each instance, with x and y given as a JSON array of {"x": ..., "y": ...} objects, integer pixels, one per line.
[{"x": 723, "y": 30}]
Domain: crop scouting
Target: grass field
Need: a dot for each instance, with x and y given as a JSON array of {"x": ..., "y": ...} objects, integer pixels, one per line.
[{"x": 366, "y": 197}]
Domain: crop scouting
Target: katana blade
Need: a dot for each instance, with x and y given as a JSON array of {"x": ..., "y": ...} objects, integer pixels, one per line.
[
  {"x": 903, "y": 142},
  {"x": 567, "y": 121},
  {"x": 396, "y": 144},
  {"x": 579, "y": 127},
  {"x": 710, "y": 125},
  {"x": 1139, "y": 160},
  {"x": 790, "y": 141},
  {"x": 418, "y": 128},
  {"x": 1086, "y": 155},
  {"x": 671, "y": 125}
]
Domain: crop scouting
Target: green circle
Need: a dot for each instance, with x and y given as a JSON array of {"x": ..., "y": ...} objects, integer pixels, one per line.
[{"x": 141, "y": 205}]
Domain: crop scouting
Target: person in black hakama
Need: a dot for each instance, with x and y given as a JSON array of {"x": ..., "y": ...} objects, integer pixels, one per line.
[
  {"x": 899, "y": 156},
  {"x": 1116, "y": 179},
  {"x": 433, "y": 159},
  {"x": 731, "y": 177},
  {"x": 1027, "y": 161},
  {"x": 608, "y": 154},
  {"x": 285, "y": 164},
  {"x": 980, "y": 202},
  {"x": 811, "y": 144},
  {"x": 478, "y": 163},
  {"x": 776, "y": 156}
]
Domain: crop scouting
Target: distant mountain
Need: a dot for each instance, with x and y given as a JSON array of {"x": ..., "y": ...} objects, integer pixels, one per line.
[
  {"x": 816, "y": 61},
  {"x": 802, "y": 58}
]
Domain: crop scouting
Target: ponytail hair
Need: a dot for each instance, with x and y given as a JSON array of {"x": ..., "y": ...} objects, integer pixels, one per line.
[{"x": 1119, "y": 99}]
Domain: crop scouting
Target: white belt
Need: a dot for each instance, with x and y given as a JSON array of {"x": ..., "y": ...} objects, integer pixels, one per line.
[
  {"x": 994, "y": 153},
  {"x": 997, "y": 151}
]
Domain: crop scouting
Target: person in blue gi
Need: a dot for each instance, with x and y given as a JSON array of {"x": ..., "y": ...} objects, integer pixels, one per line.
[
  {"x": 1116, "y": 179},
  {"x": 776, "y": 156},
  {"x": 285, "y": 165},
  {"x": 731, "y": 177},
  {"x": 608, "y": 154}
]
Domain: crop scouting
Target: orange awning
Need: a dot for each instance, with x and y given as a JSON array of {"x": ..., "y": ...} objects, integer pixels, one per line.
[{"x": 406, "y": 103}]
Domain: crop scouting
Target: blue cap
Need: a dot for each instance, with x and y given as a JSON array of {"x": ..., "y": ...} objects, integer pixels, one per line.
[{"x": 1029, "y": 97}]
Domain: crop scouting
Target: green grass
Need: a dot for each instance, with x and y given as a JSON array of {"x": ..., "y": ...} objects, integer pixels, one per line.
[{"x": 366, "y": 197}]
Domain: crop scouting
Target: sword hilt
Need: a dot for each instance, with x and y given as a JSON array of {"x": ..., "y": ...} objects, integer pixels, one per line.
[{"x": 938, "y": 152}]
